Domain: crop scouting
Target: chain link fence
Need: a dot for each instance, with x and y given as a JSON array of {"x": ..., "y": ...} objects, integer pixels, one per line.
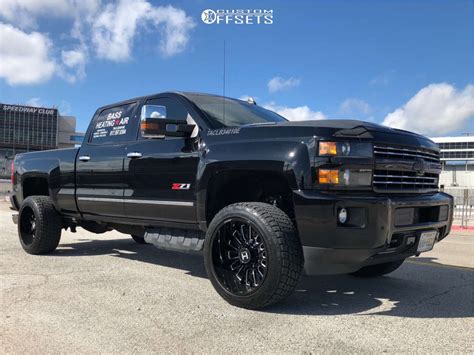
[{"x": 463, "y": 206}]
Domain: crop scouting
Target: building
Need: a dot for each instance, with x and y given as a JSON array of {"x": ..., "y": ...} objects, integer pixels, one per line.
[
  {"x": 27, "y": 128},
  {"x": 457, "y": 157}
]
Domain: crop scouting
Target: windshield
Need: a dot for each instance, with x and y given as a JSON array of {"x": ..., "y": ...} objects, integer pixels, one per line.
[{"x": 225, "y": 112}]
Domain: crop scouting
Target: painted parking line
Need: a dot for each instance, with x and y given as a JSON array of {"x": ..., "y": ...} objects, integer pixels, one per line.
[{"x": 464, "y": 268}]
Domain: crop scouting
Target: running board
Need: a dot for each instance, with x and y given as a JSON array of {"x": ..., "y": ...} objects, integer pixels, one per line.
[{"x": 183, "y": 240}]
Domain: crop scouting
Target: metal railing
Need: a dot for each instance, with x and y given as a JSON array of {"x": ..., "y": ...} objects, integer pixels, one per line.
[{"x": 463, "y": 205}]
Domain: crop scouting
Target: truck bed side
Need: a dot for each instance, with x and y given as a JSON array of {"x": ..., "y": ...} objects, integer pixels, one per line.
[{"x": 50, "y": 173}]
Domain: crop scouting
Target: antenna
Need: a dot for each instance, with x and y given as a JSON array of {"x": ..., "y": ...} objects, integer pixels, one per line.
[{"x": 223, "y": 87}]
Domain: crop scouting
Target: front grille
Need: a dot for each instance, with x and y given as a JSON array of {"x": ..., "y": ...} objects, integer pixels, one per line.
[
  {"x": 404, "y": 180},
  {"x": 403, "y": 169},
  {"x": 405, "y": 154}
]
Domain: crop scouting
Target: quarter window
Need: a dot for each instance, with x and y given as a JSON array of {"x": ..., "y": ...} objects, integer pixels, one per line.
[{"x": 114, "y": 125}]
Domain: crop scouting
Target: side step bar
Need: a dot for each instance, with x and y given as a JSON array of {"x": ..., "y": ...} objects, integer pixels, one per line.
[{"x": 183, "y": 240}]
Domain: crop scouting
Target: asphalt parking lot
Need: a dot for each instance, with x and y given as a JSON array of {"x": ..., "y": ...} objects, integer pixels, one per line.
[{"x": 105, "y": 293}]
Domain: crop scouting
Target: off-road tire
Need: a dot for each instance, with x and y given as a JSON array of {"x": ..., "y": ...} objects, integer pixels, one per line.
[
  {"x": 378, "y": 270},
  {"x": 48, "y": 225},
  {"x": 139, "y": 239},
  {"x": 283, "y": 247}
]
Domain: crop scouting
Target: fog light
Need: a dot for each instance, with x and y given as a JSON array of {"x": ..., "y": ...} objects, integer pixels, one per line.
[
  {"x": 342, "y": 216},
  {"x": 328, "y": 176}
]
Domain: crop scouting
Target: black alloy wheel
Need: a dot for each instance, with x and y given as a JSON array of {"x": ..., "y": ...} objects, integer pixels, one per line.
[
  {"x": 27, "y": 226},
  {"x": 239, "y": 256}
]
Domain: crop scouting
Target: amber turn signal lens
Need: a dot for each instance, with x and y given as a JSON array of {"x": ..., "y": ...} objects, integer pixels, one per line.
[
  {"x": 328, "y": 176},
  {"x": 327, "y": 148}
]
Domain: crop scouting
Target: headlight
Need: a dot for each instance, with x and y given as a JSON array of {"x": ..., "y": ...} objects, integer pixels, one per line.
[
  {"x": 345, "y": 149},
  {"x": 345, "y": 177}
]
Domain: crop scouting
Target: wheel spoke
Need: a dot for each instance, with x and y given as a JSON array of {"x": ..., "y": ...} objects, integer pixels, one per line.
[
  {"x": 247, "y": 277},
  {"x": 232, "y": 255},
  {"x": 237, "y": 274},
  {"x": 234, "y": 233},
  {"x": 229, "y": 243},
  {"x": 235, "y": 265},
  {"x": 255, "y": 283}
]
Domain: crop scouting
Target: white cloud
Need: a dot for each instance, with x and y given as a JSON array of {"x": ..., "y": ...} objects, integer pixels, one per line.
[
  {"x": 435, "y": 109},
  {"x": 75, "y": 60},
  {"x": 116, "y": 27},
  {"x": 34, "y": 101},
  {"x": 108, "y": 27},
  {"x": 354, "y": 106},
  {"x": 23, "y": 13},
  {"x": 299, "y": 113},
  {"x": 25, "y": 57},
  {"x": 278, "y": 83}
]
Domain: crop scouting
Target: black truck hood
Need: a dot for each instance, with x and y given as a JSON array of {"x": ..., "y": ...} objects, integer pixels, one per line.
[{"x": 337, "y": 129}]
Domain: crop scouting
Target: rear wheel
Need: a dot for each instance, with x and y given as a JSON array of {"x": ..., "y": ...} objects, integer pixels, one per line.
[
  {"x": 379, "y": 269},
  {"x": 253, "y": 255},
  {"x": 39, "y": 225},
  {"x": 140, "y": 239}
]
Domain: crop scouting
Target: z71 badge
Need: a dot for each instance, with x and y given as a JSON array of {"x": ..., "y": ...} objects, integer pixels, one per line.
[{"x": 179, "y": 186}]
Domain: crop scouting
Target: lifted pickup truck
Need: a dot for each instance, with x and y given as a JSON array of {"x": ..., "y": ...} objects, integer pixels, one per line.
[{"x": 261, "y": 197}]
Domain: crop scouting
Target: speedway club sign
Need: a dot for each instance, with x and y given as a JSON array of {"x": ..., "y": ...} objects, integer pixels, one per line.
[{"x": 28, "y": 109}]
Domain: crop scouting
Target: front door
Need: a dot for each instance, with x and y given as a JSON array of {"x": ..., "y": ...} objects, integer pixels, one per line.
[
  {"x": 100, "y": 178},
  {"x": 161, "y": 172}
]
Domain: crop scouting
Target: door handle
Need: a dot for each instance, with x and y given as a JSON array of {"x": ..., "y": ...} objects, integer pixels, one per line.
[
  {"x": 134, "y": 155},
  {"x": 84, "y": 158}
]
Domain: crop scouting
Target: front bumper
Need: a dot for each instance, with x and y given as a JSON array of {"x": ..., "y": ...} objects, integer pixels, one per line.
[{"x": 386, "y": 228}]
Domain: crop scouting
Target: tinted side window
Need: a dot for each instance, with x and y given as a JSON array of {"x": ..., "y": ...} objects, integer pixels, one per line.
[{"x": 114, "y": 125}]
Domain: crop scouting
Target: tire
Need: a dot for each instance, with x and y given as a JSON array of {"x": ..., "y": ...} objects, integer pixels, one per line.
[
  {"x": 379, "y": 269},
  {"x": 265, "y": 266},
  {"x": 39, "y": 225},
  {"x": 139, "y": 239}
]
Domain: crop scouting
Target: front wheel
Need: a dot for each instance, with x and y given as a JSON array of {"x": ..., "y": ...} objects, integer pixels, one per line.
[
  {"x": 379, "y": 269},
  {"x": 252, "y": 254}
]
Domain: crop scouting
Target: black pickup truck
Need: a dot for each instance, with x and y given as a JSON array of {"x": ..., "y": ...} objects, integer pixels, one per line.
[{"x": 263, "y": 199}]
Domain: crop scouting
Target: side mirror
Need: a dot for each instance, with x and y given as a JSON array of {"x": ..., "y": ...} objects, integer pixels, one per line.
[{"x": 162, "y": 127}]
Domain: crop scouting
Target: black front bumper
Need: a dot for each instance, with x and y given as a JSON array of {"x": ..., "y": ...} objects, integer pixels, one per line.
[{"x": 380, "y": 228}]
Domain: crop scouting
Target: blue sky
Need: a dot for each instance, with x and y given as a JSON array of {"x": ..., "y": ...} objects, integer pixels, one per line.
[{"x": 406, "y": 64}]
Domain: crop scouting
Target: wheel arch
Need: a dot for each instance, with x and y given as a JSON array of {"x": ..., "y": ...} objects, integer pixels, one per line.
[
  {"x": 233, "y": 185},
  {"x": 280, "y": 166}
]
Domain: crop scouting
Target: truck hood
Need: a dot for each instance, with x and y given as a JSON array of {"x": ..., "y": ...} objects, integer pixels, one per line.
[{"x": 326, "y": 129}]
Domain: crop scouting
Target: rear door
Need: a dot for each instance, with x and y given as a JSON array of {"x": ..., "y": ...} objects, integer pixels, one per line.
[
  {"x": 100, "y": 179},
  {"x": 161, "y": 172}
]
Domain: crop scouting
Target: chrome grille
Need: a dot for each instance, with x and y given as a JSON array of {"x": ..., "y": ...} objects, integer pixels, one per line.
[
  {"x": 405, "y": 153},
  {"x": 402, "y": 169},
  {"x": 404, "y": 180}
]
